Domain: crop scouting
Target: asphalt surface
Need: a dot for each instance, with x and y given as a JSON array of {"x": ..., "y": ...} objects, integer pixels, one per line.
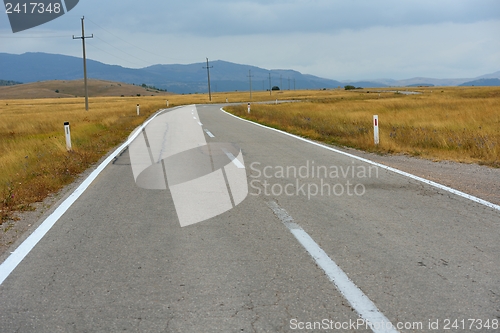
[{"x": 118, "y": 259}]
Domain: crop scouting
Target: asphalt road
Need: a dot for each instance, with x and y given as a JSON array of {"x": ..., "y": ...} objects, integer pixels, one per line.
[{"x": 119, "y": 260}]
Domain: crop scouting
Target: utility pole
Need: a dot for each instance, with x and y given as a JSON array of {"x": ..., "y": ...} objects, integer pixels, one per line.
[
  {"x": 288, "y": 83},
  {"x": 270, "y": 89},
  {"x": 208, "y": 73},
  {"x": 250, "y": 77},
  {"x": 83, "y": 37}
]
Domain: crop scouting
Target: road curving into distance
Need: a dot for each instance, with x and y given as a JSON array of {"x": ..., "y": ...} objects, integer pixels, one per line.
[{"x": 313, "y": 240}]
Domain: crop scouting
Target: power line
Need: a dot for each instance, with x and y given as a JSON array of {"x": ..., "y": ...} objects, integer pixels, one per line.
[
  {"x": 126, "y": 41},
  {"x": 102, "y": 40},
  {"x": 114, "y": 55}
]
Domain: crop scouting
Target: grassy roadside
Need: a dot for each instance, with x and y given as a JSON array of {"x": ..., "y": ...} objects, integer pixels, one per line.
[
  {"x": 459, "y": 124},
  {"x": 33, "y": 158}
]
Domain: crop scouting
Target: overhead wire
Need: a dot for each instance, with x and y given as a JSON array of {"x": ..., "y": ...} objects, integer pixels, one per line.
[
  {"x": 111, "y": 54},
  {"x": 130, "y": 55},
  {"x": 92, "y": 45},
  {"x": 126, "y": 41}
]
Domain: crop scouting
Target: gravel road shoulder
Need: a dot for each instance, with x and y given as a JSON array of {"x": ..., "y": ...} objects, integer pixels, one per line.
[{"x": 477, "y": 180}]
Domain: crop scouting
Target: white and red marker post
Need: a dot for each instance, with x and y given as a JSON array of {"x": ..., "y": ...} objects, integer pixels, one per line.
[
  {"x": 67, "y": 132},
  {"x": 375, "y": 130}
]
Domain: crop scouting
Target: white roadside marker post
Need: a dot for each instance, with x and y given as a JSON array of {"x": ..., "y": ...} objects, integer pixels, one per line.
[
  {"x": 167, "y": 103},
  {"x": 248, "y": 107},
  {"x": 68, "y": 135},
  {"x": 375, "y": 130},
  {"x": 138, "y": 109}
]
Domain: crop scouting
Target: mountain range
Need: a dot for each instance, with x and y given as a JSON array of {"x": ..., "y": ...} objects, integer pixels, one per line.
[{"x": 192, "y": 78}]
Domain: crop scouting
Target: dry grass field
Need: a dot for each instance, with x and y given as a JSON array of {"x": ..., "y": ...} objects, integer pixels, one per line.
[
  {"x": 459, "y": 124},
  {"x": 33, "y": 158}
]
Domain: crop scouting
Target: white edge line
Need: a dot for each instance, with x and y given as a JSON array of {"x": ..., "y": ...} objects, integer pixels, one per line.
[
  {"x": 358, "y": 300},
  {"x": 29, "y": 243},
  {"x": 209, "y": 133},
  {"x": 382, "y": 166}
]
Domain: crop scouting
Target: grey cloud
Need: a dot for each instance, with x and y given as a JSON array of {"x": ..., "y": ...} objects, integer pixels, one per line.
[
  {"x": 221, "y": 17},
  {"x": 252, "y": 17}
]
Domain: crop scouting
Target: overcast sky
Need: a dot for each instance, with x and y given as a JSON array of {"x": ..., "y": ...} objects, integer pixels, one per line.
[{"x": 342, "y": 40}]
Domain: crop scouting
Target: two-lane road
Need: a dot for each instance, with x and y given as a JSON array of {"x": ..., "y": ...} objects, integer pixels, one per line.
[{"x": 119, "y": 260}]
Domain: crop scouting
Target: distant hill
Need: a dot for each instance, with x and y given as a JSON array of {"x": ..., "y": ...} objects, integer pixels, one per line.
[
  {"x": 495, "y": 75},
  {"x": 8, "y": 83},
  {"x": 225, "y": 76},
  {"x": 422, "y": 81},
  {"x": 34, "y": 67},
  {"x": 425, "y": 81},
  {"x": 482, "y": 83},
  {"x": 192, "y": 78},
  {"x": 75, "y": 88},
  {"x": 421, "y": 85},
  {"x": 365, "y": 84}
]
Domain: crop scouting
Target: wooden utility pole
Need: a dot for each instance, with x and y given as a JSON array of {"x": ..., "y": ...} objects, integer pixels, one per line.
[
  {"x": 208, "y": 73},
  {"x": 270, "y": 89},
  {"x": 83, "y": 37},
  {"x": 250, "y": 77}
]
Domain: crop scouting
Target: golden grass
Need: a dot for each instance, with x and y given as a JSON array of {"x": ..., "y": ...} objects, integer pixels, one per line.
[
  {"x": 33, "y": 158},
  {"x": 459, "y": 124}
]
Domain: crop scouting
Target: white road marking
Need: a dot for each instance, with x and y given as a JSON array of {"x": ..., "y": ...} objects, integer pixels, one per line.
[
  {"x": 200, "y": 124},
  {"x": 358, "y": 300},
  {"x": 233, "y": 159},
  {"x": 22, "y": 251},
  {"x": 209, "y": 133},
  {"x": 382, "y": 166}
]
